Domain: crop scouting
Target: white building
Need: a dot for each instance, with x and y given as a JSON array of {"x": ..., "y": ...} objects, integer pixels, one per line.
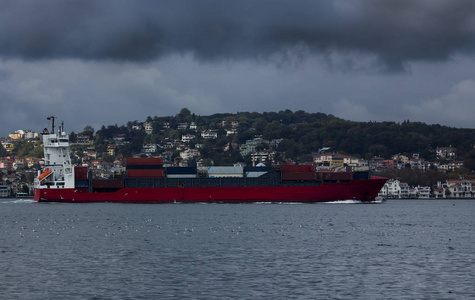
[
  {"x": 209, "y": 134},
  {"x": 251, "y": 145},
  {"x": 423, "y": 192},
  {"x": 404, "y": 190},
  {"x": 391, "y": 189},
  {"x": 187, "y": 137},
  {"x": 231, "y": 132},
  {"x": 190, "y": 154},
  {"x": 262, "y": 157},
  {"x": 461, "y": 188},
  {"x": 149, "y": 148}
]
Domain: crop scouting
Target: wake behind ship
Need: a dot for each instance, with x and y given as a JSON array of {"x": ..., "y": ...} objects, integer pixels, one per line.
[{"x": 146, "y": 180}]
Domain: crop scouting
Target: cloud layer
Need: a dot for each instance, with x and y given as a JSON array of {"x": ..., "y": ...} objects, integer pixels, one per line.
[
  {"x": 394, "y": 32},
  {"x": 105, "y": 62}
]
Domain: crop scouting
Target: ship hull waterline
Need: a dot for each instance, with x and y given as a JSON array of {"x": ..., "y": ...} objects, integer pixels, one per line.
[{"x": 362, "y": 190}]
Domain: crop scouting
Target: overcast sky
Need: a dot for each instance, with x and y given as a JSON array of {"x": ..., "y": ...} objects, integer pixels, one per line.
[{"x": 108, "y": 62}]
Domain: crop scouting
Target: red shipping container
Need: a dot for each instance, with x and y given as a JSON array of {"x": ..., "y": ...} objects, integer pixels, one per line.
[
  {"x": 106, "y": 183},
  {"x": 298, "y": 176},
  {"x": 296, "y": 168},
  {"x": 144, "y": 161},
  {"x": 80, "y": 173},
  {"x": 342, "y": 176},
  {"x": 140, "y": 173}
]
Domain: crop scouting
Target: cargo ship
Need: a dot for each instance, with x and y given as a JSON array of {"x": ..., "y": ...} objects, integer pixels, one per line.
[{"x": 146, "y": 180}]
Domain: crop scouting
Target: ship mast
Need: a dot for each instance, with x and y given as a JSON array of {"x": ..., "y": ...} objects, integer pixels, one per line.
[{"x": 52, "y": 118}]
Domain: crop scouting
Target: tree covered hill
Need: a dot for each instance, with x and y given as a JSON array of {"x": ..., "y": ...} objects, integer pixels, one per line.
[{"x": 304, "y": 133}]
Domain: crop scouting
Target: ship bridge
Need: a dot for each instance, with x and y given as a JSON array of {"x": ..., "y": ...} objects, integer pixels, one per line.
[{"x": 57, "y": 160}]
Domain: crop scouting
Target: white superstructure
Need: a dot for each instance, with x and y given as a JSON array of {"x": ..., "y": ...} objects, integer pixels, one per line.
[{"x": 58, "y": 171}]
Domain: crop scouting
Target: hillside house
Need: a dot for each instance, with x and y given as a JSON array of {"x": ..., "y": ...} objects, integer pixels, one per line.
[
  {"x": 186, "y": 138},
  {"x": 8, "y": 145},
  {"x": 149, "y": 148},
  {"x": 190, "y": 154},
  {"x": 182, "y": 126},
  {"x": 251, "y": 145},
  {"x": 265, "y": 156},
  {"x": 30, "y": 135},
  {"x": 231, "y": 132},
  {"x": 119, "y": 139},
  {"x": 111, "y": 149},
  {"x": 90, "y": 154},
  {"x": 15, "y": 135},
  {"x": 446, "y": 152},
  {"x": 209, "y": 134},
  {"x": 376, "y": 164},
  {"x": 336, "y": 161},
  {"x": 148, "y": 126},
  {"x": 168, "y": 144},
  {"x": 400, "y": 157},
  {"x": 83, "y": 140}
]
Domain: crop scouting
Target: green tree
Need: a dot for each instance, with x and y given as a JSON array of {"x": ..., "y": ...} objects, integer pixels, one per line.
[
  {"x": 469, "y": 161},
  {"x": 3, "y": 152},
  {"x": 184, "y": 115},
  {"x": 379, "y": 150},
  {"x": 22, "y": 148},
  {"x": 38, "y": 152},
  {"x": 108, "y": 158},
  {"x": 88, "y": 128}
]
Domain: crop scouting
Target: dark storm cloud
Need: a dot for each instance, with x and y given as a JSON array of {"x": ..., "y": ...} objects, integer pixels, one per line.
[{"x": 394, "y": 32}]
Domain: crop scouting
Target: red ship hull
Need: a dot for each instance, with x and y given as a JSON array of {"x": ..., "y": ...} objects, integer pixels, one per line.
[{"x": 363, "y": 190}]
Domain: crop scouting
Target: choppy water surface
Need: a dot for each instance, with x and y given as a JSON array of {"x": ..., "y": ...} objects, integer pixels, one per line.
[{"x": 400, "y": 249}]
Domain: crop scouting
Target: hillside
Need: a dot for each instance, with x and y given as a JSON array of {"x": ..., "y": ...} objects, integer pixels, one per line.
[
  {"x": 302, "y": 133},
  {"x": 299, "y": 133}
]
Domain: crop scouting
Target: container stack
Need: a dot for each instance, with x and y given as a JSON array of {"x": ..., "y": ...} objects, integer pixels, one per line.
[
  {"x": 297, "y": 172},
  {"x": 181, "y": 172},
  {"x": 106, "y": 184},
  {"x": 221, "y": 172},
  {"x": 144, "y": 167},
  {"x": 80, "y": 177}
]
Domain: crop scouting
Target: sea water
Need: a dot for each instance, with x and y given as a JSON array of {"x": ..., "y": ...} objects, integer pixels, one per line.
[{"x": 399, "y": 249}]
